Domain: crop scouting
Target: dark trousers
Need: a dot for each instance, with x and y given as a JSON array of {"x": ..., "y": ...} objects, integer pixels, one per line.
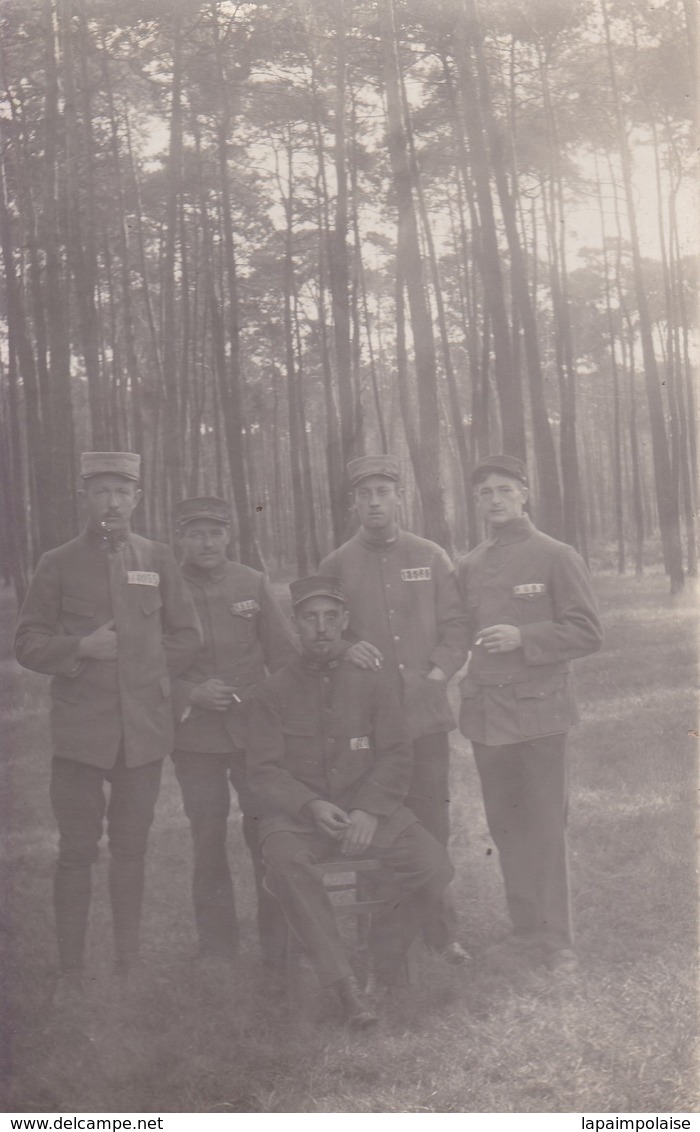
[
  {"x": 79, "y": 805},
  {"x": 525, "y": 790},
  {"x": 421, "y": 870},
  {"x": 429, "y": 799},
  {"x": 204, "y": 782}
]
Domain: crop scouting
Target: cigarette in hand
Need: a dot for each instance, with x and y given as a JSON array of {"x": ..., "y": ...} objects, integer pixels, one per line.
[
  {"x": 478, "y": 641},
  {"x": 376, "y": 663}
]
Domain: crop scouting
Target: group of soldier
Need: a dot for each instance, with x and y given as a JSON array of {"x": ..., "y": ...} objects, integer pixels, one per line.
[{"x": 332, "y": 727}]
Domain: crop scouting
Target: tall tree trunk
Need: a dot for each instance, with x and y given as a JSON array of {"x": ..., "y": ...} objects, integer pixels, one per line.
[
  {"x": 57, "y": 414},
  {"x": 426, "y": 462},
  {"x": 456, "y": 411},
  {"x": 666, "y": 497},
  {"x": 549, "y": 501},
  {"x": 170, "y": 392},
  {"x": 249, "y": 549},
  {"x": 295, "y": 423},
  {"x": 510, "y": 397},
  {"x": 339, "y": 269},
  {"x": 81, "y": 218},
  {"x": 617, "y": 416}
]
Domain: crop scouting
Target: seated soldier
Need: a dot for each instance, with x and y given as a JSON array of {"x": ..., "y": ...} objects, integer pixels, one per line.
[{"x": 330, "y": 762}]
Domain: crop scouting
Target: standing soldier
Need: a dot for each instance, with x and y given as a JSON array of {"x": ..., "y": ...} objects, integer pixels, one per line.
[
  {"x": 531, "y": 611},
  {"x": 245, "y": 631},
  {"x": 109, "y": 617},
  {"x": 406, "y": 617}
]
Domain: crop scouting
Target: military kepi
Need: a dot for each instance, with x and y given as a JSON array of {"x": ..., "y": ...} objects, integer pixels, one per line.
[
  {"x": 500, "y": 463},
  {"x": 127, "y": 464},
  {"x": 365, "y": 466},
  {"x": 316, "y": 585},
  {"x": 203, "y": 507}
]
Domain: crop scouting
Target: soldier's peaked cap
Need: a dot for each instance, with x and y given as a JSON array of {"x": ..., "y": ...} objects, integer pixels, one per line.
[
  {"x": 127, "y": 464},
  {"x": 364, "y": 466},
  {"x": 316, "y": 585},
  {"x": 203, "y": 507},
  {"x": 510, "y": 465}
]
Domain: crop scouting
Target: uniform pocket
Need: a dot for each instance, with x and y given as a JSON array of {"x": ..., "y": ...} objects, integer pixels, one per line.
[
  {"x": 151, "y": 603},
  {"x": 359, "y": 738},
  {"x": 426, "y": 704},
  {"x": 544, "y": 706},
  {"x": 303, "y": 728},
  {"x": 66, "y": 689},
  {"x": 77, "y": 605},
  {"x": 468, "y": 690},
  {"x": 528, "y": 608}
]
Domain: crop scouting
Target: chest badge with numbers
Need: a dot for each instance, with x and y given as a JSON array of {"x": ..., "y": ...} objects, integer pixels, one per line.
[
  {"x": 532, "y": 589},
  {"x": 416, "y": 574},
  {"x": 244, "y": 608},
  {"x": 360, "y": 744},
  {"x": 142, "y": 577}
]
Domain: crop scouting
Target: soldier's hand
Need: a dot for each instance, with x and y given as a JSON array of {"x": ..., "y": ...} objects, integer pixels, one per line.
[
  {"x": 101, "y": 644},
  {"x": 500, "y": 638},
  {"x": 329, "y": 818},
  {"x": 365, "y": 655},
  {"x": 212, "y": 694},
  {"x": 359, "y": 834}
]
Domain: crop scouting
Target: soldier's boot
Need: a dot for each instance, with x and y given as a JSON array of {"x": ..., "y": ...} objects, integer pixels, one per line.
[
  {"x": 71, "y": 895},
  {"x": 360, "y": 1012},
  {"x": 126, "y": 877}
]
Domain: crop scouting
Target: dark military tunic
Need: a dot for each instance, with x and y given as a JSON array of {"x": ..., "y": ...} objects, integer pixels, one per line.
[
  {"x": 245, "y": 631},
  {"x": 403, "y": 599},
  {"x": 525, "y": 578},
  {"x": 332, "y": 731},
  {"x": 96, "y": 705}
]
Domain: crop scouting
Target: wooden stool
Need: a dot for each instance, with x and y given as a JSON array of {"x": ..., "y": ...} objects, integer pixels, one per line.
[{"x": 349, "y": 885}]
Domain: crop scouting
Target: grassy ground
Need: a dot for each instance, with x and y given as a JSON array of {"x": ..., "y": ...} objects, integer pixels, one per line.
[{"x": 617, "y": 1037}]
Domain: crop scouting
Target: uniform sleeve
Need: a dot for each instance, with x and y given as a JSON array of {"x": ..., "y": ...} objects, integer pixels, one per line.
[
  {"x": 451, "y": 650},
  {"x": 40, "y": 642},
  {"x": 463, "y": 570},
  {"x": 384, "y": 788},
  {"x": 276, "y": 636},
  {"x": 575, "y": 630},
  {"x": 182, "y": 631},
  {"x": 268, "y": 777},
  {"x": 330, "y": 567}
]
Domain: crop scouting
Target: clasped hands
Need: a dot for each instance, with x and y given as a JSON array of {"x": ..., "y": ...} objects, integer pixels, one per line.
[{"x": 354, "y": 831}]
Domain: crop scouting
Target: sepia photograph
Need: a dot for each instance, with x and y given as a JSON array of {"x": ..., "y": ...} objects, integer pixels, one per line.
[{"x": 348, "y": 560}]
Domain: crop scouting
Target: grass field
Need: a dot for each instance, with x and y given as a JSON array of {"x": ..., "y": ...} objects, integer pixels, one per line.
[{"x": 619, "y": 1036}]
